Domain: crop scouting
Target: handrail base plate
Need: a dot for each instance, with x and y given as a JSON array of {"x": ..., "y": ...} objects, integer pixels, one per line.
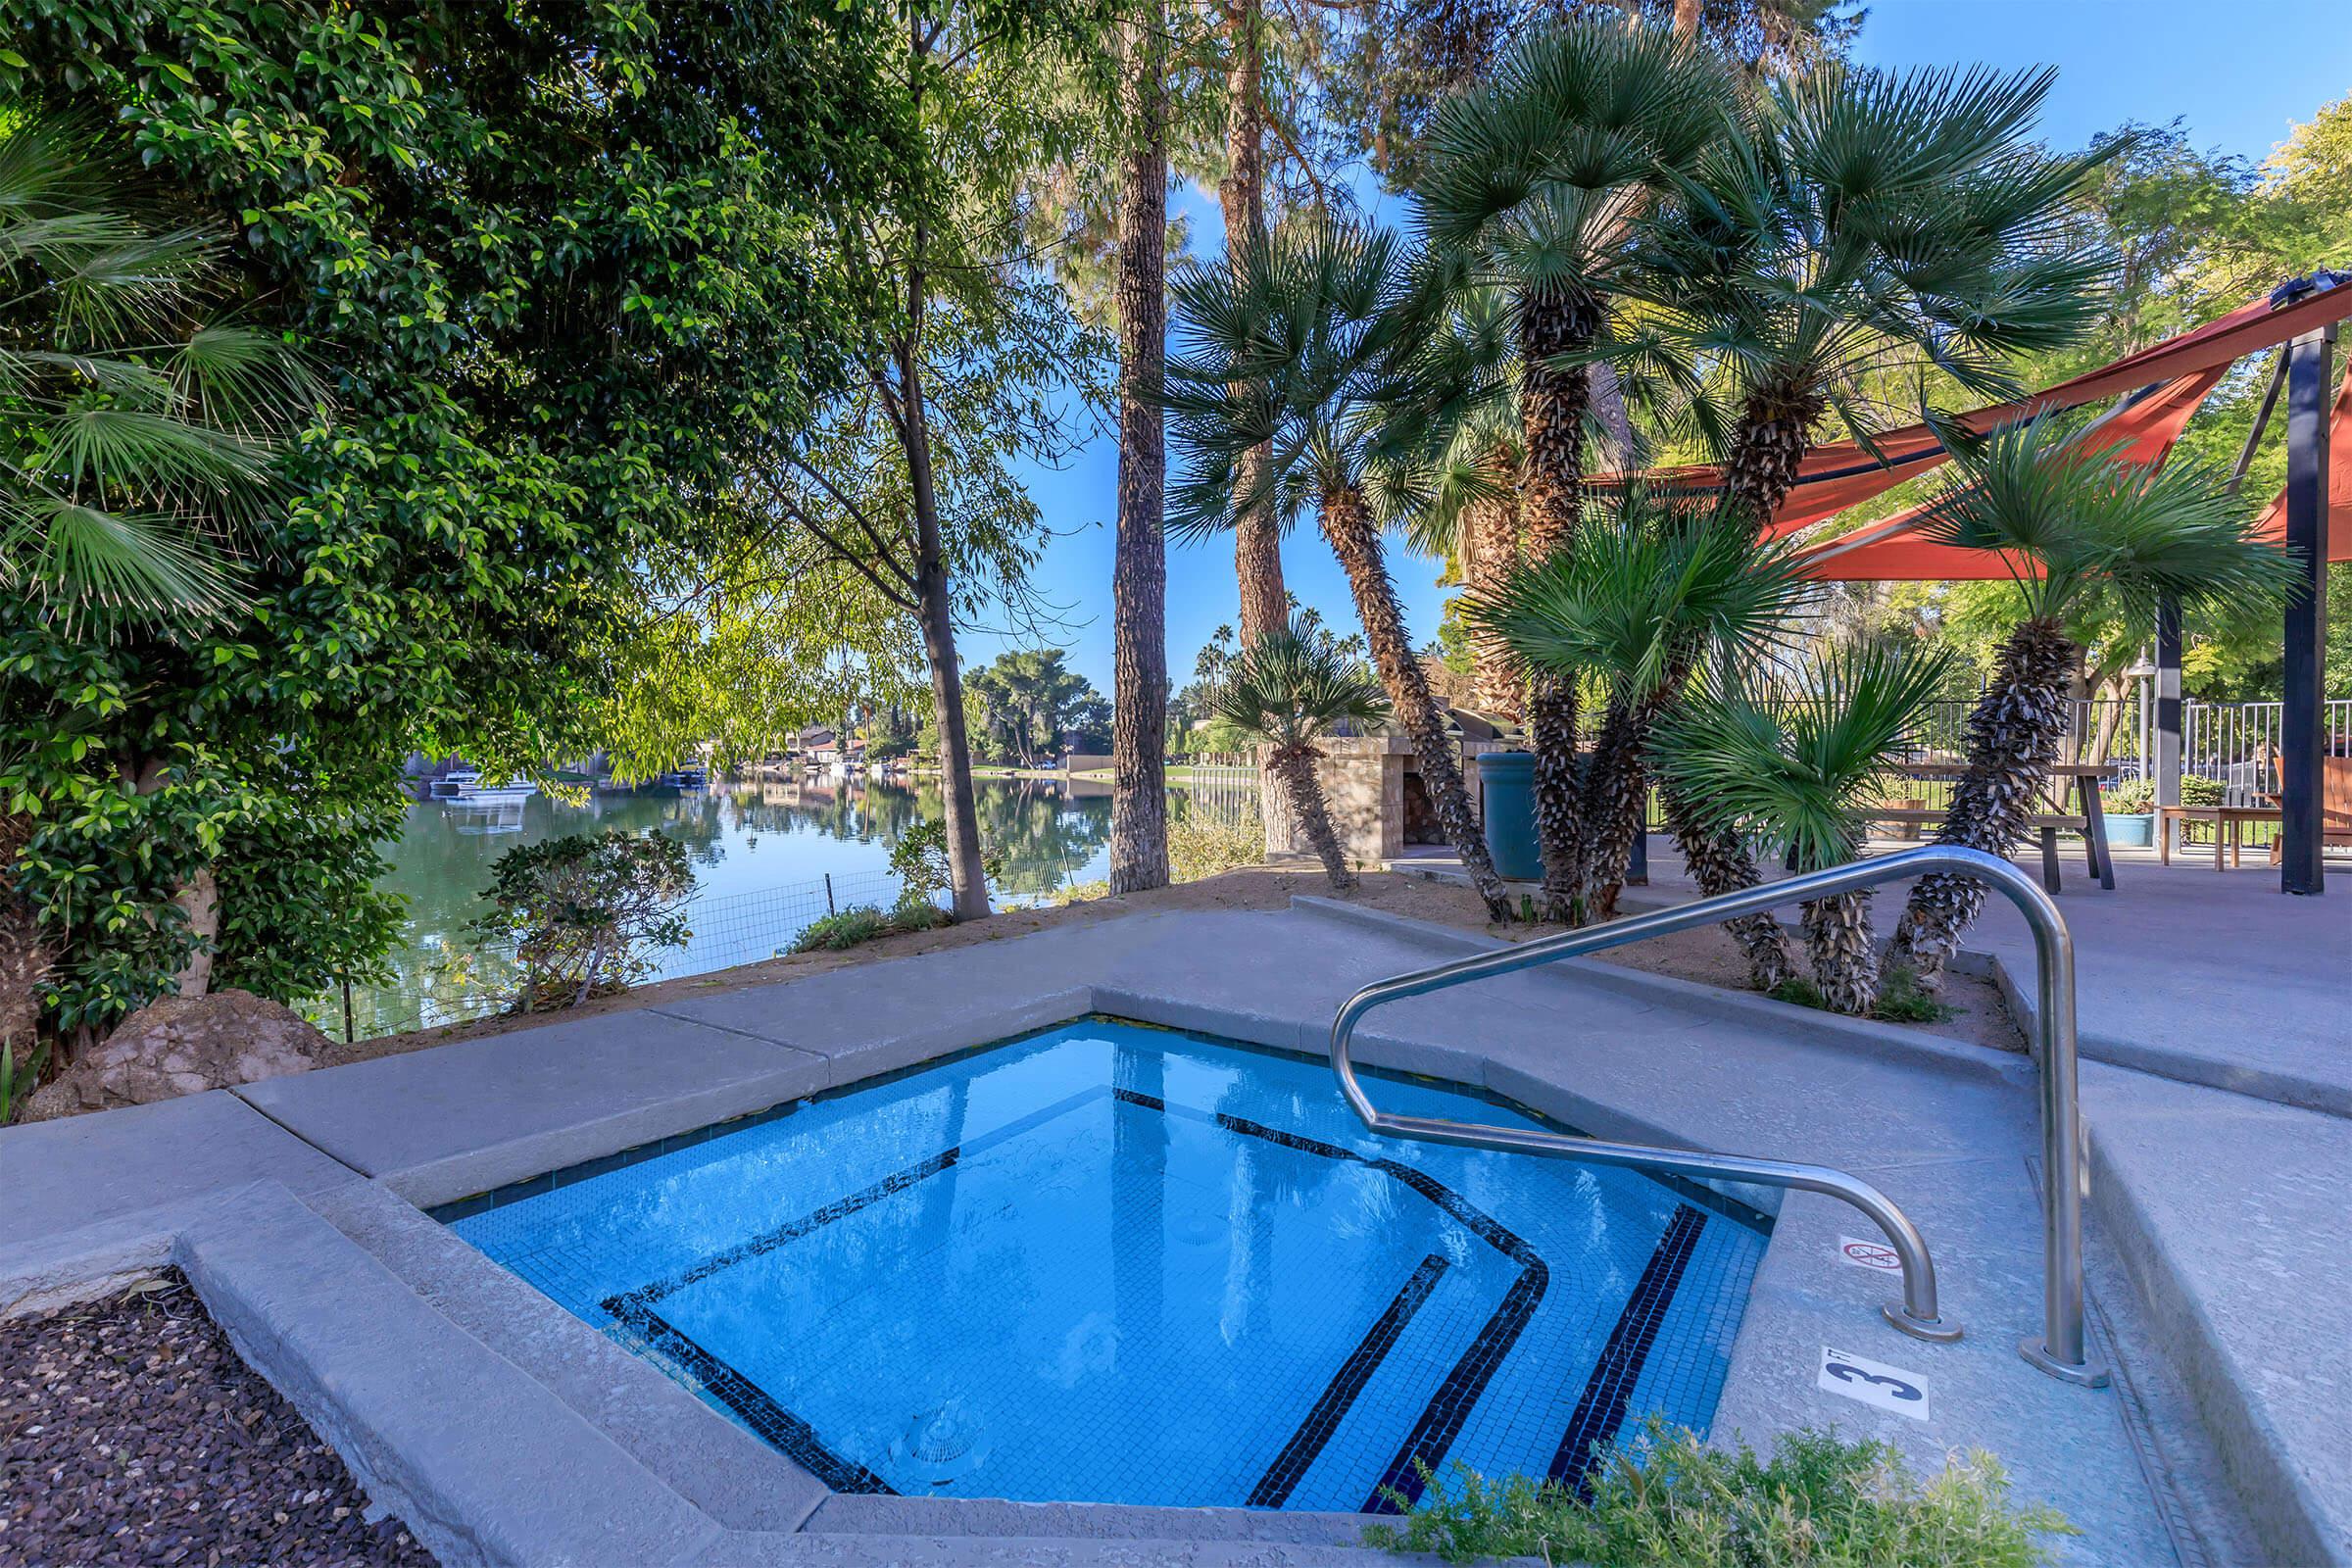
[
  {"x": 1939, "y": 1331},
  {"x": 2089, "y": 1375}
]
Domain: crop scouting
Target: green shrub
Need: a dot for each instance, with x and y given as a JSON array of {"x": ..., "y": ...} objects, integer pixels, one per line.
[
  {"x": 1666, "y": 1501},
  {"x": 841, "y": 929},
  {"x": 1900, "y": 999},
  {"x": 920, "y": 861},
  {"x": 918, "y": 914},
  {"x": 584, "y": 912},
  {"x": 1198, "y": 848},
  {"x": 2197, "y": 790},
  {"x": 863, "y": 922}
]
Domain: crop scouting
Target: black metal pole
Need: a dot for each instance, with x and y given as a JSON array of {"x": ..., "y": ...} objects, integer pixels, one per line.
[
  {"x": 2168, "y": 702},
  {"x": 2310, "y": 383}
]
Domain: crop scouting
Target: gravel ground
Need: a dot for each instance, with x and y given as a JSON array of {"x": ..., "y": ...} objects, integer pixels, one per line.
[{"x": 131, "y": 1433}]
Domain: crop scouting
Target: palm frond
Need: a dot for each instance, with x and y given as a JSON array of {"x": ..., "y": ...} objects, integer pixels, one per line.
[
  {"x": 148, "y": 427},
  {"x": 87, "y": 556},
  {"x": 1292, "y": 343},
  {"x": 1792, "y": 762},
  {"x": 2071, "y": 516},
  {"x": 1645, "y": 587},
  {"x": 1294, "y": 685}
]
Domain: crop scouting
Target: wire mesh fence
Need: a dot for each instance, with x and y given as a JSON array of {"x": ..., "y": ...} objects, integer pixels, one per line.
[{"x": 445, "y": 981}]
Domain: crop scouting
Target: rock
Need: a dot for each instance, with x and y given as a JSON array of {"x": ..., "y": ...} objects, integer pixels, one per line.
[{"x": 183, "y": 1046}]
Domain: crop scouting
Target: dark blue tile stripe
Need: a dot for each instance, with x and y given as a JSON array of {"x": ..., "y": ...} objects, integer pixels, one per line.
[
  {"x": 842, "y": 1207},
  {"x": 1290, "y": 1466},
  {"x": 1443, "y": 1418},
  {"x": 739, "y": 1393},
  {"x": 1600, "y": 1411},
  {"x": 1441, "y": 1421}
]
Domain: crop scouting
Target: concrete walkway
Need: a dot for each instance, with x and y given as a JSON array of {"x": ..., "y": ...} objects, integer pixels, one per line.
[{"x": 292, "y": 1205}]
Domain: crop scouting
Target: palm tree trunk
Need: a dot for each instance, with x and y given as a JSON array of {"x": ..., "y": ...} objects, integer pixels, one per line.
[
  {"x": 2013, "y": 736},
  {"x": 1767, "y": 444},
  {"x": 1138, "y": 583},
  {"x": 1241, "y": 194},
  {"x": 1845, "y": 952},
  {"x": 1347, "y": 524},
  {"x": 1719, "y": 863},
  {"x": 1297, "y": 770},
  {"x": 1551, "y": 416},
  {"x": 1615, "y": 794},
  {"x": 1490, "y": 549}
]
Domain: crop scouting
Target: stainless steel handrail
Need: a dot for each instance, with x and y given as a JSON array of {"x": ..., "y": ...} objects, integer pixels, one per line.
[{"x": 2060, "y": 1351}]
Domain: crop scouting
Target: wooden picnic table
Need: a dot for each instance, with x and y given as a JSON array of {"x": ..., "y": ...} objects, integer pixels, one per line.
[
  {"x": 2229, "y": 829},
  {"x": 2086, "y": 778}
]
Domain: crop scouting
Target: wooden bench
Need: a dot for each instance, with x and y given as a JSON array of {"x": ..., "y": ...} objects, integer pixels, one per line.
[{"x": 2046, "y": 826}]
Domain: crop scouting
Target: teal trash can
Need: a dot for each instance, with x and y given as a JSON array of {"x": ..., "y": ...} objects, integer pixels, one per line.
[{"x": 1507, "y": 780}]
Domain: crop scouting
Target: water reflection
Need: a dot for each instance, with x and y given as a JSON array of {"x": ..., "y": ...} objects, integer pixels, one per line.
[{"x": 761, "y": 853}]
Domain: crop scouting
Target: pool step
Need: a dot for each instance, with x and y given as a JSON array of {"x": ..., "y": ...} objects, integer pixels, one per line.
[{"x": 2227, "y": 1215}]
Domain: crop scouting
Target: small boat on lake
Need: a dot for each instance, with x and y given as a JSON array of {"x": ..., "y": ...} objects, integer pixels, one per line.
[{"x": 465, "y": 784}]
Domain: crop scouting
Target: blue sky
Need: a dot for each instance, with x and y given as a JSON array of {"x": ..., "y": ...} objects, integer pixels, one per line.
[{"x": 2239, "y": 72}]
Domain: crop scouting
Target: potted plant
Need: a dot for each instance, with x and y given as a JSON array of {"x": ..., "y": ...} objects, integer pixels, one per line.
[{"x": 2130, "y": 809}]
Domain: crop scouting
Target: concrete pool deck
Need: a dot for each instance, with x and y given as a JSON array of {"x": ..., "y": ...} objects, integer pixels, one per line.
[{"x": 504, "y": 1430}]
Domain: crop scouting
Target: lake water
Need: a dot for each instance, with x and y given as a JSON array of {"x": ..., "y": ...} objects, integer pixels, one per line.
[{"x": 768, "y": 856}]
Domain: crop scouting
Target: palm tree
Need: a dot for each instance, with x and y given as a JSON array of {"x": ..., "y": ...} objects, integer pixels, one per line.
[
  {"x": 1531, "y": 181},
  {"x": 1636, "y": 597},
  {"x": 1293, "y": 344},
  {"x": 1794, "y": 767},
  {"x": 1858, "y": 227},
  {"x": 1290, "y": 689},
  {"x": 2069, "y": 521},
  {"x": 1138, "y": 583},
  {"x": 143, "y": 429}
]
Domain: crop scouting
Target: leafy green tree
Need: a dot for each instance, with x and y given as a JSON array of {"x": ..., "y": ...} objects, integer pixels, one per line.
[
  {"x": 561, "y": 271},
  {"x": 585, "y": 913},
  {"x": 1289, "y": 689},
  {"x": 964, "y": 342},
  {"x": 1796, "y": 764},
  {"x": 1031, "y": 699},
  {"x": 2069, "y": 519}
]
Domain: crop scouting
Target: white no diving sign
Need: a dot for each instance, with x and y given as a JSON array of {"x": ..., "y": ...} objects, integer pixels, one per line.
[
  {"x": 1874, "y": 1255},
  {"x": 1874, "y": 1382}
]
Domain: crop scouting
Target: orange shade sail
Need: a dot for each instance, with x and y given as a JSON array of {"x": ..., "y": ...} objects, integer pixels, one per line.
[
  {"x": 1893, "y": 551},
  {"x": 2173, "y": 377}
]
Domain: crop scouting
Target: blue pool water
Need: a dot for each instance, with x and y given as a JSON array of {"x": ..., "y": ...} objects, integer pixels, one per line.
[{"x": 1112, "y": 1263}]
